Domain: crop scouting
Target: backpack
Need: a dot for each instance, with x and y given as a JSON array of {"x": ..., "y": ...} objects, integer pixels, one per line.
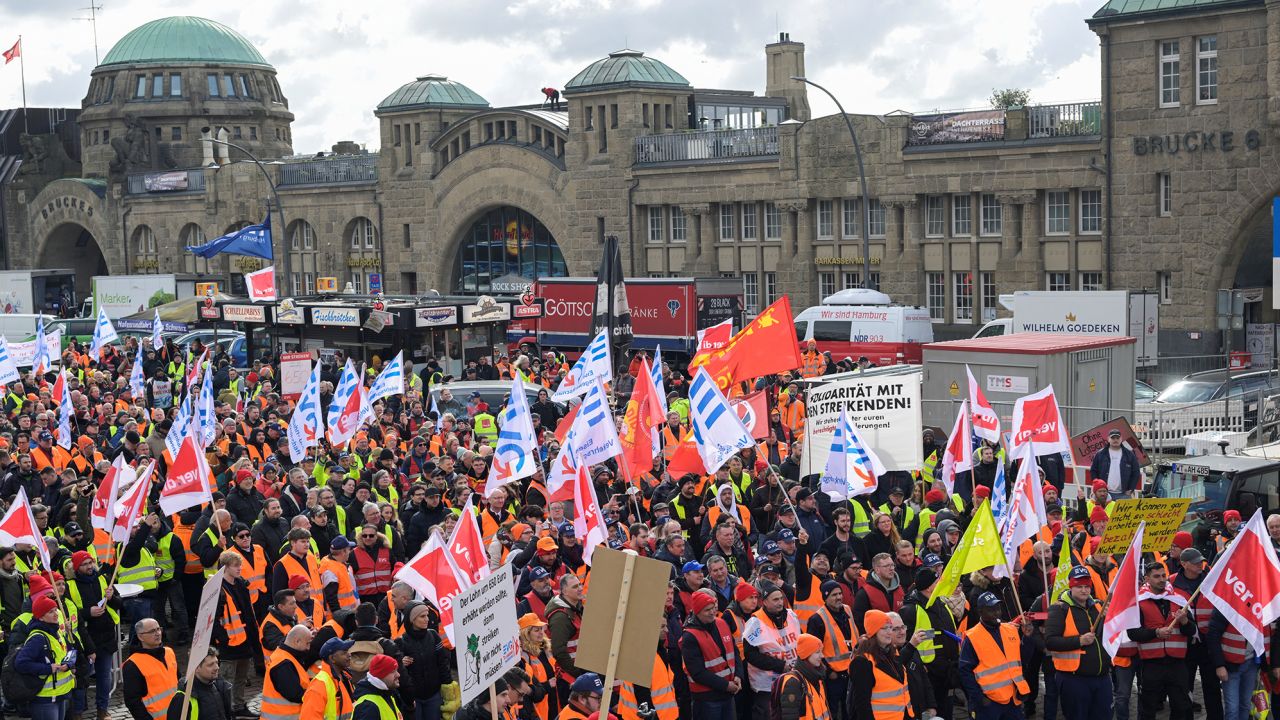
[
  {"x": 19, "y": 688},
  {"x": 775, "y": 693}
]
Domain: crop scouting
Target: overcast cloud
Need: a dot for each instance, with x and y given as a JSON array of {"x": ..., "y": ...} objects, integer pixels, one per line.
[{"x": 337, "y": 59}]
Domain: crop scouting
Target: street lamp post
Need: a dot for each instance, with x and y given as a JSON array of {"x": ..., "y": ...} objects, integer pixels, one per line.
[
  {"x": 862, "y": 178},
  {"x": 288, "y": 275}
]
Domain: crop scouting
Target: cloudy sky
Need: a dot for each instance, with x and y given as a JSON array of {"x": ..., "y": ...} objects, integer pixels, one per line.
[{"x": 337, "y": 59}]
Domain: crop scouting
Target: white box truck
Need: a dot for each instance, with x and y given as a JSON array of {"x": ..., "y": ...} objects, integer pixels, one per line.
[
  {"x": 1110, "y": 313},
  {"x": 25, "y": 292},
  {"x": 125, "y": 295}
]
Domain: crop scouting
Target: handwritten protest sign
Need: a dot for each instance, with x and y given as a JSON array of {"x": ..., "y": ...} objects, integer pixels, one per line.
[
  {"x": 1087, "y": 444},
  {"x": 488, "y": 640},
  {"x": 1163, "y": 517}
]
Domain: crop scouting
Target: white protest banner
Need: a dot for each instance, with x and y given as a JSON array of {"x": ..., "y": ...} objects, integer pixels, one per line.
[
  {"x": 206, "y": 616},
  {"x": 295, "y": 368},
  {"x": 485, "y": 632},
  {"x": 886, "y": 411},
  {"x": 24, "y": 353}
]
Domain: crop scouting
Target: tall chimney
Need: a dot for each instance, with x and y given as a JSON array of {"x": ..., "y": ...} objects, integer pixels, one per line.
[
  {"x": 783, "y": 60},
  {"x": 223, "y": 152},
  {"x": 206, "y": 147}
]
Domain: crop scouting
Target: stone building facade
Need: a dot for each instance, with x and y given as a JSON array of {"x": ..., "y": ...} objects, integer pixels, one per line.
[{"x": 1142, "y": 190}]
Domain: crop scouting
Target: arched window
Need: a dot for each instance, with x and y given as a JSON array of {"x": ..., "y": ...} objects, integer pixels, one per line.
[
  {"x": 364, "y": 259},
  {"x": 147, "y": 254},
  {"x": 192, "y": 235},
  {"x": 302, "y": 258},
  {"x": 504, "y": 249}
]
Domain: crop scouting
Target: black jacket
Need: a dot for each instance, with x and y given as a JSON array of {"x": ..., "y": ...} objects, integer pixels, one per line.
[
  {"x": 369, "y": 711},
  {"x": 213, "y": 701},
  {"x": 430, "y": 667},
  {"x": 135, "y": 685},
  {"x": 245, "y": 506},
  {"x": 237, "y": 593},
  {"x": 270, "y": 535}
]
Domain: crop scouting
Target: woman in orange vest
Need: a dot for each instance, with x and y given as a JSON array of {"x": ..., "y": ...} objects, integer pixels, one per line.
[
  {"x": 877, "y": 679},
  {"x": 535, "y": 653},
  {"x": 800, "y": 691}
]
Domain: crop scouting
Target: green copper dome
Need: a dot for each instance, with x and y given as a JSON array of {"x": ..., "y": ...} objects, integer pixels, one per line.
[
  {"x": 183, "y": 39},
  {"x": 432, "y": 91},
  {"x": 626, "y": 68}
]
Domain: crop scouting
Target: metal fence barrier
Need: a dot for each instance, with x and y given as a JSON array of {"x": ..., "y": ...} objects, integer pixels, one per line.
[{"x": 1171, "y": 368}]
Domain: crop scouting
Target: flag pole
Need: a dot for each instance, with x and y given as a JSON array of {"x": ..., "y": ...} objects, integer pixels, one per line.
[{"x": 22, "y": 73}]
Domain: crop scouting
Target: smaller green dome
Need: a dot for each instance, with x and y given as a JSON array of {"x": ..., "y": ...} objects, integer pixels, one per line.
[
  {"x": 183, "y": 39},
  {"x": 432, "y": 91},
  {"x": 626, "y": 68}
]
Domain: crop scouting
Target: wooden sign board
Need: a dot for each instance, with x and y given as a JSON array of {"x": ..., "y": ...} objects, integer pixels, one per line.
[{"x": 643, "y": 616}]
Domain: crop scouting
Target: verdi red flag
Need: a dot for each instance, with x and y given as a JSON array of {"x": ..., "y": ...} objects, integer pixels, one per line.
[
  {"x": 467, "y": 546},
  {"x": 588, "y": 521},
  {"x": 986, "y": 423},
  {"x": 710, "y": 340},
  {"x": 1036, "y": 418},
  {"x": 101, "y": 513},
  {"x": 19, "y": 526},
  {"x": 131, "y": 506},
  {"x": 566, "y": 422},
  {"x": 187, "y": 483},
  {"x": 1244, "y": 584},
  {"x": 685, "y": 459},
  {"x": 433, "y": 573},
  {"x": 765, "y": 346},
  {"x": 1122, "y": 612},
  {"x": 958, "y": 455}
]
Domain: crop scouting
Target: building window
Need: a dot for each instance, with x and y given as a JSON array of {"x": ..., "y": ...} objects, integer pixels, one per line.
[
  {"x": 228, "y": 88},
  {"x": 303, "y": 236},
  {"x": 141, "y": 91},
  {"x": 772, "y": 222},
  {"x": 111, "y": 89},
  {"x": 936, "y": 296},
  {"x": 1166, "y": 194},
  {"x": 213, "y": 86},
  {"x": 962, "y": 297},
  {"x": 408, "y": 239},
  {"x": 1057, "y": 212},
  {"x": 1090, "y": 212},
  {"x": 146, "y": 241},
  {"x": 749, "y": 221},
  {"x": 1090, "y": 281},
  {"x": 363, "y": 235},
  {"x": 992, "y": 215},
  {"x": 236, "y": 133},
  {"x": 395, "y": 135},
  {"x": 644, "y": 114},
  {"x": 175, "y": 133},
  {"x": 726, "y": 221},
  {"x": 1165, "y": 282},
  {"x": 770, "y": 287},
  {"x": 826, "y": 219},
  {"x": 253, "y": 132},
  {"x": 604, "y": 134},
  {"x": 1058, "y": 281},
  {"x": 961, "y": 215},
  {"x": 826, "y": 284},
  {"x": 193, "y": 236},
  {"x": 877, "y": 219},
  {"x": 851, "y": 280},
  {"x": 989, "y": 296},
  {"x": 157, "y": 86},
  {"x": 244, "y": 86},
  {"x": 1170, "y": 74},
  {"x": 175, "y": 85},
  {"x": 679, "y": 230},
  {"x": 613, "y": 116},
  {"x": 590, "y": 117},
  {"x": 666, "y": 109},
  {"x": 874, "y": 277},
  {"x": 849, "y": 218},
  {"x": 106, "y": 136},
  {"x": 655, "y": 224},
  {"x": 1207, "y": 70},
  {"x": 751, "y": 293},
  {"x": 935, "y": 216}
]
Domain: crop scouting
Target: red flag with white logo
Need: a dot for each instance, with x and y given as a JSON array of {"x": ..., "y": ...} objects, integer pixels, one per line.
[
  {"x": 1244, "y": 584},
  {"x": 101, "y": 513},
  {"x": 19, "y": 526},
  {"x": 958, "y": 455},
  {"x": 1036, "y": 418},
  {"x": 986, "y": 423},
  {"x": 261, "y": 284},
  {"x": 433, "y": 573},
  {"x": 187, "y": 484},
  {"x": 12, "y": 53},
  {"x": 710, "y": 340},
  {"x": 753, "y": 411},
  {"x": 588, "y": 522},
  {"x": 132, "y": 505},
  {"x": 1122, "y": 612},
  {"x": 466, "y": 545}
]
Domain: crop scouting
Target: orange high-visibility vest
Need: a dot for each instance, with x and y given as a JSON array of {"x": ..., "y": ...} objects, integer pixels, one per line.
[
  {"x": 662, "y": 694},
  {"x": 293, "y": 567},
  {"x": 347, "y": 597},
  {"x": 836, "y": 647},
  {"x": 103, "y": 548},
  {"x": 274, "y": 706},
  {"x": 812, "y": 604},
  {"x": 255, "y": 571},
  {"x": 999, "y": 670},
  {"x": 890, "y": 699},
  {"x": 232, "y": 622},
  {"x": 161, "y": 679}
]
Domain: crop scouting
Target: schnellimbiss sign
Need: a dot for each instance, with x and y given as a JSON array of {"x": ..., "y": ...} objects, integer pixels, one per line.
[{"x": 886, "y": 411}]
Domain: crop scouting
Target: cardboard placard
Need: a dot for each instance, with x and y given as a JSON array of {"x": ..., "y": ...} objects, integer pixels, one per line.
[
  {"x": 488, "y": 639},
  {"x": 1163, "y": 516},
  {"x": 645, "y": 603},
  {"x": 295, "y": 370},
  {"x": 886, "y": 410},
  {"x": 1087, "y": 444}
]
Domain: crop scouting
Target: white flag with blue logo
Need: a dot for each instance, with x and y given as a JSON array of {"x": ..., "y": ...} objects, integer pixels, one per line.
[
  {"x": 304, "y": 424},
  {"x": 41, "y": 362},
  {"x": 717, "y": 428},
  {"x": 104, "y": 333},
  {"x": 655, "y": 370},
  {"x": 138, "y": 378},
  {"x": 516, "y": 454},
  {"x": 852, "y": 467},
  {"x": 593, "y": 433},
  {"x": 390, "y": 381},
  {"x": 344, "y": 409},
  {"x": 157, "y": 332},
  {"x": 65, "y": 411},
  {"x": 999, "y": 495},
  {"x": 596, "y": 363},
  {"x": 206, "y": 422},
  {"x": 8, "y": 368},
  {"x": 180, "y": 428}
]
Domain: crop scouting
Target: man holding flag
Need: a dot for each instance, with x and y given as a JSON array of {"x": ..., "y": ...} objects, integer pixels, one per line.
[
  {"x": 1082, "y": 668},
  {"x": 1162, "y": 640}
]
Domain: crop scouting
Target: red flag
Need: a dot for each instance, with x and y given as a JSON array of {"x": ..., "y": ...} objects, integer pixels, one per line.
[
  {"x": 958, "y": 456},
  {"x": 566, "y": 422},
  {"x": 261, "y": 284},
  {"x": 19, "y": 526},
  {"x": 101, "y": 512},
  {"x": 59, "y": 387},
  {"x": 187, "y": 485},
  {"x": 710, "y": 340},
  {"x": 433, "y": 573},
  {"x": 766, "y": 346},
  {"x": 1122, "y": 612},
  {"x": 588, "y": 522},
  {"x": 685, "y": 459},
  {"x": 1244, "y": 584},
  {"x": 1036, "y": 418},
  {"x": 131, "y": 507},
  {"x": 753, "y": 411},
  {"x": 644, "y": 412},
  {"x": 13, "y": 52},
  {"x": 467, "y": 546}
]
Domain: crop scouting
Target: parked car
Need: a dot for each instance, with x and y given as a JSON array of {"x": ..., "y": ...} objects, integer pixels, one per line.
[
  {"x": 1143, "y": 393},
  {"x": 231, "y": 341},
  {"x": 1213, "y": 400},
  {"x": 493, "y": 392}
]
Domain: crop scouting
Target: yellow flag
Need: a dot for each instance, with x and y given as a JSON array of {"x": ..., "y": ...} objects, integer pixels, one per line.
[
  {"x": 1064, "y": 567},
  {"x": 979, "y": 547}
]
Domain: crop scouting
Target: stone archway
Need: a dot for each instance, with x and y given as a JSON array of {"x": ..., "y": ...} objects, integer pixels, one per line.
[
  {"x": 72, "y": 245},
  {"x": 502, "y": 248}
]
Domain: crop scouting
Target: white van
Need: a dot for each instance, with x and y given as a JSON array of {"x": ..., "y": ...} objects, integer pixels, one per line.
[
  {"x": 857, "y": 322},
  {"x": 20, "y": 327}
]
